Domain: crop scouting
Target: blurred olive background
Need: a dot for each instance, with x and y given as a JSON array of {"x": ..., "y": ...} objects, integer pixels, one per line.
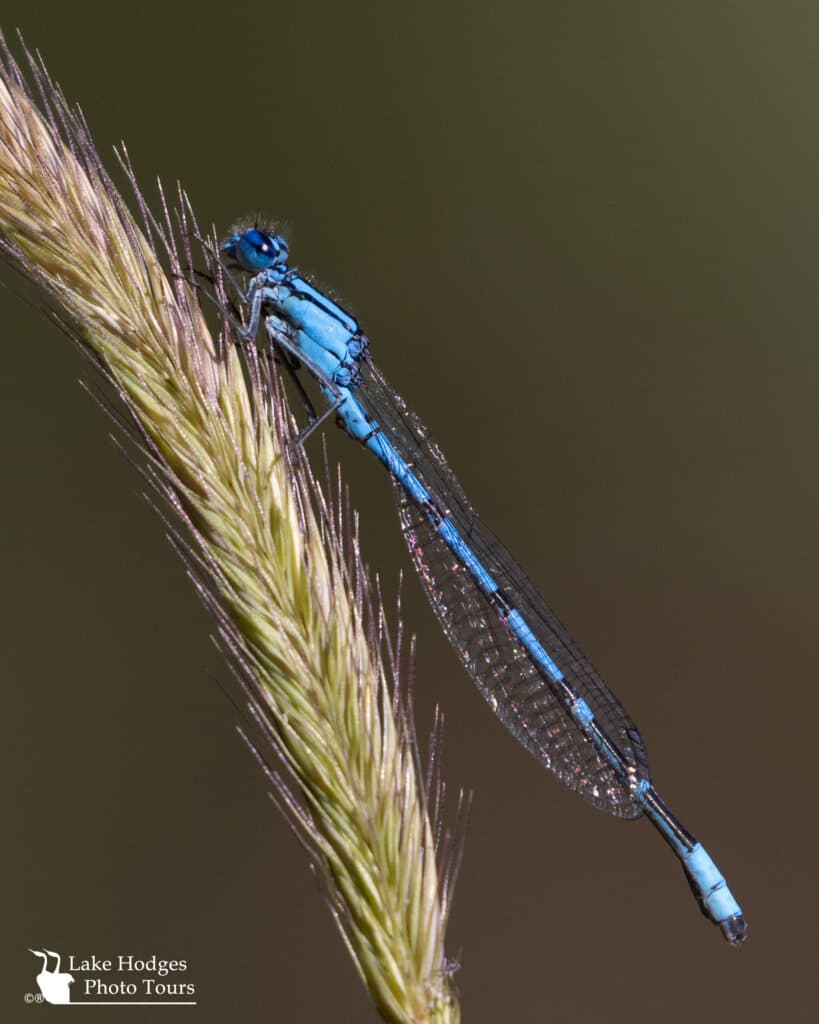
[{"x": 584, "y": 240}]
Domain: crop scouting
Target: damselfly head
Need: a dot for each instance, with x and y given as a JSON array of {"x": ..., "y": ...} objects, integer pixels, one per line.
[{"x": 256, "y": 250}]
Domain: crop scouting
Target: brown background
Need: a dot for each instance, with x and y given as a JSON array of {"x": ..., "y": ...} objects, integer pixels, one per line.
[{"x": 584, "y": 241}]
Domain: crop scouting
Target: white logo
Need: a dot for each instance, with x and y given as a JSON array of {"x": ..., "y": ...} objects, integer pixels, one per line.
[
  {"x": 135, "y": 980},
  {"x": 54, "y": 986}
]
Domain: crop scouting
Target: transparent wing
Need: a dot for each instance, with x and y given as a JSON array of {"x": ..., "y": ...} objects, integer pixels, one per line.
[{"x": 502, "y": 669}]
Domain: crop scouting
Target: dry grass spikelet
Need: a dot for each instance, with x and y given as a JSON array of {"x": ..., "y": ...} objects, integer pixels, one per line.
[{"x": 269, "y": 557}]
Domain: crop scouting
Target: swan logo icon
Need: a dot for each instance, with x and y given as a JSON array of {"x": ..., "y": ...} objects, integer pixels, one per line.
[{"x": 54, "y": 985}]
